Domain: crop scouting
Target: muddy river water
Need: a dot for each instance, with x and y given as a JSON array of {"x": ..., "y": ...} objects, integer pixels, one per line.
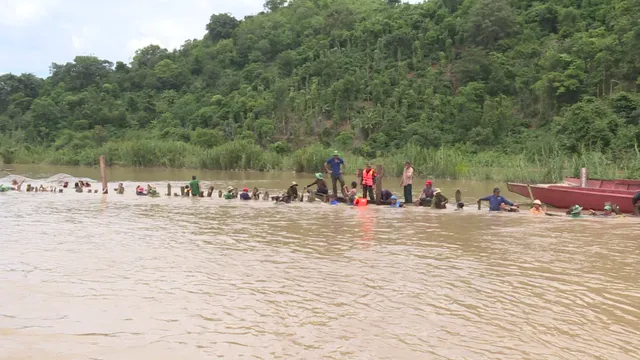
[{"x": 87, "y": 276}]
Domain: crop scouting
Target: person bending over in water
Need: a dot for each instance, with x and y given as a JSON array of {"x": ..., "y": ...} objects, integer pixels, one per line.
[
  {"x": 385, "y": 195},
  {"x": 244, "y": 195},
  {"x": 255, "y": 194},
  {"x": 140, "y": 190},
  {"x": 120, "y": 189},
  {"x": 439, "y": 201},
  {"x": 496, "y": 201},
  {"x": 322, "y": 187},
  {"x": 394, "y": 202},
  {"x": 292, "y": 191},
  {"x": 78, "y": 187}
]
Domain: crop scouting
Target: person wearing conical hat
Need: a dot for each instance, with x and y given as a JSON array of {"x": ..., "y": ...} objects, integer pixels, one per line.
[
  {"x": 439, "y": 201},
  {"x": 229, "y": 194},
  {"x": 537, "y": 208},
  {"x": 292, "y": 192}
]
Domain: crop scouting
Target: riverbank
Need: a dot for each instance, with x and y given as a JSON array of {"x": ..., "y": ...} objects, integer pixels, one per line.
[{"x": 444, "y": 163}]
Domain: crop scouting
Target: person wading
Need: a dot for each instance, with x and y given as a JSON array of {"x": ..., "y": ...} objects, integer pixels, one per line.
[
  {"x": 368, "y": 179},
  {"x": 495, "y": 201},
  {"x": 194, "y": 185},
  {"x": 334, "y": 167},
  {"x": 407, "y": 181}
]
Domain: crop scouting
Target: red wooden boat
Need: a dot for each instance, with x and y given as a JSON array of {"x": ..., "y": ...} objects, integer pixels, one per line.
[
  {"x": 618, "y": 184},
  {"x": 564, "y": 197}
]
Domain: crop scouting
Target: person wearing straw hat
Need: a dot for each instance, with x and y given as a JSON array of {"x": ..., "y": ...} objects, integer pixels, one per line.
[
  {"x": 229, "y": 194},
  {"x": 439, "y": 201},
  {"x": 292, "y": 191},
  {"x": 537, "y": 208},
  {"x": 334, "y": 167}
]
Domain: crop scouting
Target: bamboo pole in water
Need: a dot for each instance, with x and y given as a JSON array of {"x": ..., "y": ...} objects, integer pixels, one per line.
[
  {"x": 379, "y": 171},
  {"x": 583, "y": 177},
  {"x": 103, "y": 172},
  {"x": 168, "y": 189}
]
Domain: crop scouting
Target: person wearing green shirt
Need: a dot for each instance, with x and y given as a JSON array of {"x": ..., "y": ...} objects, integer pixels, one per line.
[
  {"x": 229, "y": 194},
  {"x": 195, "y": 186}
]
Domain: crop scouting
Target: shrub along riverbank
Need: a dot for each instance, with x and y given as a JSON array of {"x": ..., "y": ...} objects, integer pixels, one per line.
[{"x": 445, "y": 162}]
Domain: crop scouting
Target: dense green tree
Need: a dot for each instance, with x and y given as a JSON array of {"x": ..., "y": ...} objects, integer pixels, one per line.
[{"x": 368, "y": 76}]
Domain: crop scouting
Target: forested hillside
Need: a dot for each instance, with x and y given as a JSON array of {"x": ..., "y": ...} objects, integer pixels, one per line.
[{"x": 373, "y": 78}]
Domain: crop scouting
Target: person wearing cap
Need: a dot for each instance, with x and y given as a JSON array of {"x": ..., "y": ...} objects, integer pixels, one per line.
[
  {"x": 495, "y": 201},
  {"x": 244, "y": 195},
  {"x": 368, "y": 179},
  {"x": 439, "y": 201},
  {"x": 229, "y": 194},
  {"x": 608, "y": 211},
  {"x": 427, "y": 194},
  {"x": 537, "y": 208},
  {"x": 394, "y": 202},
  {"x": 575, "y": 211},
  {"x": 195, "y": 186},
  {"x": 322, "y": 187},
  {"x": 407, "y": 182},
  {"x": 334, "y": 167}
]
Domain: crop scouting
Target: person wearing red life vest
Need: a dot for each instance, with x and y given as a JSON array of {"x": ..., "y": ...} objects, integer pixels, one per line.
[{"x": 368, "y": 179}]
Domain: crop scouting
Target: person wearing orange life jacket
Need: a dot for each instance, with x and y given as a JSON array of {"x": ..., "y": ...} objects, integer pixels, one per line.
[{"x": 368, "y": 179}]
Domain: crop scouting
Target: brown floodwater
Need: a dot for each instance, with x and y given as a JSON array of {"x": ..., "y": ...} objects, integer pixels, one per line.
[{"x": 87, "y": 276}]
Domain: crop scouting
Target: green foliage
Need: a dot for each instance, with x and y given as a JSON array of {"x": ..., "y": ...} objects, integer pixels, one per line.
[{"x": 455, "y": 83}]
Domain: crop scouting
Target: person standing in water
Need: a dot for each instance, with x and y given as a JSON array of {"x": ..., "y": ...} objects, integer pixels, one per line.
[
  {"x": 495, "y": 201},
  {"x": 407, "y": 182},
  {"x": 194, "y": 185},
  {"x": 334, "y": 167},
  {"x": 537, "y": 208},
  {"x": 368, "y": 179}
]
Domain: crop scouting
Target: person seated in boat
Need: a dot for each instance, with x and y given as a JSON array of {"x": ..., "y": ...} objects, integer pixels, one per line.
[
  {"x": 439, "y": 201},
  {"x": 229, "y": 194},
  {"x": 351, "y": 193},
  {"x": 78, "y": 187},
  {"x": 385, "y": 195},
  {"x": 321, "y": 185},
  {"x": 140, "y": 190},
  {"x": 496, "y": 200},
  {"x": 120, "y": 189},
  {"x": 427, "y": 194},
  {"x": 537, "y": 208},
  {"x": 575, "y": 211},
  {"x": 394, "y": 202},
  {"x": 244, "y": 195}
]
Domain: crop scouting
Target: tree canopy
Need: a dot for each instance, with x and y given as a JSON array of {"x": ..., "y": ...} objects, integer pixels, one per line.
[{"x": 367, "y": 76}]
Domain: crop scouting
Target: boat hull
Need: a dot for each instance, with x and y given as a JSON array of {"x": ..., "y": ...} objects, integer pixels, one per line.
[
  {"x": 565, "y": 198},
  {"x": 607, "y": 184}
]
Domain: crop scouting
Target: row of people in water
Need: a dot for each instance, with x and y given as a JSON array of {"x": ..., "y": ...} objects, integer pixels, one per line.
[{"x": 79, "y": 186}]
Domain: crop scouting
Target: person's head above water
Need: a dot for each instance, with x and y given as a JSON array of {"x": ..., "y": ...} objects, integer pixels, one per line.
[
  {"x": 393, "y": 199},
  {"x": 245, "y": 189},
  {"x": 496, "y": 191},
  {"x": 428, "y": 183},
  {"x": 608, "y": 209},
  {"x": 193, "y": 177},
  {"x": 537, "y": 204}
]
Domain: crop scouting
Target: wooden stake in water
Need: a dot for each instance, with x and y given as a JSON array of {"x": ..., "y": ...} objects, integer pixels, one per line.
[
  {"x": 103, "y": 172},
  {"x": 583, "y": 177},
  {"x": 380, "y": 171},
  {"x": 168, "y": 189}
]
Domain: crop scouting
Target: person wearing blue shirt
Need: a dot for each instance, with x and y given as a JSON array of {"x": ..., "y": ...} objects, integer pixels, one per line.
[
  {"x": 395, "y": 202},
  {"x": 495, "y": 201},
  {"x": 334, "y": 167}
]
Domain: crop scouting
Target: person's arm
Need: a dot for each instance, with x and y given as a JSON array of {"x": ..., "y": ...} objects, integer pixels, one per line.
[
  {"x": 342, "y": 166},
  {"x": 446, "y": 200},
  {"x": 326, "y": 166},
  {"x": 486, "y": 198},
  {"x": 508, "y": 202},
  {"x": 313, "y": 183}
]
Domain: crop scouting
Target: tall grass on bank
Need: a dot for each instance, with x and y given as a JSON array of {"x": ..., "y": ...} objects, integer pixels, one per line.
[{"x": 452, "y": 163}]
